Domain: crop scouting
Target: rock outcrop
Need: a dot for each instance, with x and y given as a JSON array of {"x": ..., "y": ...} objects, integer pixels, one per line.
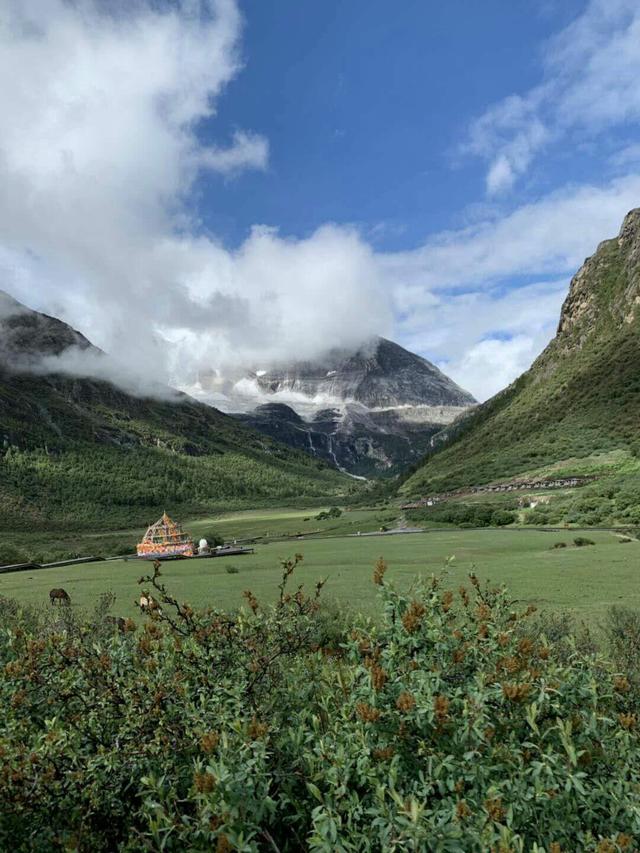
[
  {"x": 27, "y": 336},
  {"x": 367, "y": 411},
  {"x": 581, "y": 396},
  {"x": 379, "y": 374}
]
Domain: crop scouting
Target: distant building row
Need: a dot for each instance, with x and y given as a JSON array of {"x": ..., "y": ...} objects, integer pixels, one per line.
[{"x": 515, "y": 486}]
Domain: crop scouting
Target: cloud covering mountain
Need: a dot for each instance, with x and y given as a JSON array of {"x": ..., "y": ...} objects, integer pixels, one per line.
[{"x": 103, "y": 152}]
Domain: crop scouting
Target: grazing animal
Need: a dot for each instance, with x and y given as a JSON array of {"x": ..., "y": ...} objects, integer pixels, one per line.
[
  {"x": 147, "y": 602},
  {"x": 59, "y": 594}
]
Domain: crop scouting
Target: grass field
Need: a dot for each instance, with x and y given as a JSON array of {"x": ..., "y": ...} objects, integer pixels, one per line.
[
  {"x": 585, "y": 581},
  {"x": 289, "y": 521},
  {"x": 42, "y": 545}
]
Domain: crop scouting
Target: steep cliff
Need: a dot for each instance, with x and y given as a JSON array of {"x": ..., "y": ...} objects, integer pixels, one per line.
[{"x": 581, "y": 395}]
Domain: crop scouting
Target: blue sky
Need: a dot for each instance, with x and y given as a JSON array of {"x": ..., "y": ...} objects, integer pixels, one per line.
[
  {"x": 365, "y": 104},
  {"x": 203, "y": 186}
]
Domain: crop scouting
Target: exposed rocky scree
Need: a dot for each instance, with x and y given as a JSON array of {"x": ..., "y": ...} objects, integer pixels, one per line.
[{"x": 369, "y": 411}]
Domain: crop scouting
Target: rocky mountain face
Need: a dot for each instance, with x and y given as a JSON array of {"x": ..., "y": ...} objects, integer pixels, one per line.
[
  {"x": 26, "y": 336},
  {"x": 604, "y": 296},
  {"x": 380, "y": 374},
  {"x": 75, "y": 448},
  {"x": 581, "y": 395},
  {"x": 368, "y": 412}
]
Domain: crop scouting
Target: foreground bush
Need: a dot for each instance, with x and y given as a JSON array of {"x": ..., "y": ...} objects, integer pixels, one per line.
[{"x": 446, "y": 726}]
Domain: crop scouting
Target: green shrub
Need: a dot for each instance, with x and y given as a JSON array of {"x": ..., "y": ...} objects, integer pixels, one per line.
[
  {"x": 465, "y": 515},
  {"x": 500, "y": 518},
  {"x": 10, "y": 554},
  {"x": 231, "y": 570},
  {"x": 559, "y": 545},
  {"x": 120, "y": 547},
  {"x": 565, "y": 637},
  {"x": 448, "y": 724},
  {"x": 622, "y": 630},
  {"x": 333, "y": 512},
  {"x": 581, "y": 541}
]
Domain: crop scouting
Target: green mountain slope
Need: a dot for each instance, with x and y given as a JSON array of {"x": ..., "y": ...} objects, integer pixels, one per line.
[
  {"x": 580, "y": 397},
  {"x": 76, "y": 451}
]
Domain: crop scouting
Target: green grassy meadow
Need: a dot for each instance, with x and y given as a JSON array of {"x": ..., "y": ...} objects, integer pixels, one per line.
[
  {"x": 585, "y": 581},
  {"x": 291, "y": 521},
  {"x": 42, "y": 546}
]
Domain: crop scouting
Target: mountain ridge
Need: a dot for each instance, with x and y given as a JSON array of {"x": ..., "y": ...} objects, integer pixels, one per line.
[
  {"x": 379, "y": 374},
  {"x": 580, "y": 396},
  {"x": 28, "y": 336},
  {"x": 369, "y": 411},
  {"x": 75, "y": 450}
]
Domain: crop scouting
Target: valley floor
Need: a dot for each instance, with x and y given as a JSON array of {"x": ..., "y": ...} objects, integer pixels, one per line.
[{"x": 584, "y": 581}]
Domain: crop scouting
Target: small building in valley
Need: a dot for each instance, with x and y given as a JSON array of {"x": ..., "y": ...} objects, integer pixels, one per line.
[{"x": 165, "y": 539}]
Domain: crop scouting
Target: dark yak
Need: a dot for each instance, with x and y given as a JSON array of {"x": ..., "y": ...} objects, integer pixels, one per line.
[{"x": 59, "y": 594}]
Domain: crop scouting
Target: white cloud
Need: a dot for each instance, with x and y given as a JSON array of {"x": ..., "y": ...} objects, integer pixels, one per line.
[
  {"x": 500, "y": 176},
  {"x": 461, "y": 292},
  {"x": 627, "y": 156},
  {"x": 550, "y": 236},
  {"x": 508, "y": 135},
  {"x": 462, "y": 331},
  {"x": 103, "y": 366},
  {"x": 590, "y": 82},
  {"x": 249, "y": 151},
  {"x": 491, "y": 364},
  {"x": 99, "y": 147},
  {"x": 272, "y": 299}
]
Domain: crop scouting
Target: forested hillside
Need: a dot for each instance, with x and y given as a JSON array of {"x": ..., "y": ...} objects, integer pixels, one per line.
[{"x": 74, "y": 451}]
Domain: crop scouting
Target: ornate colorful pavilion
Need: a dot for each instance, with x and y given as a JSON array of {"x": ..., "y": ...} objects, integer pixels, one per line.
[{"x": 165, "y": 538}]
